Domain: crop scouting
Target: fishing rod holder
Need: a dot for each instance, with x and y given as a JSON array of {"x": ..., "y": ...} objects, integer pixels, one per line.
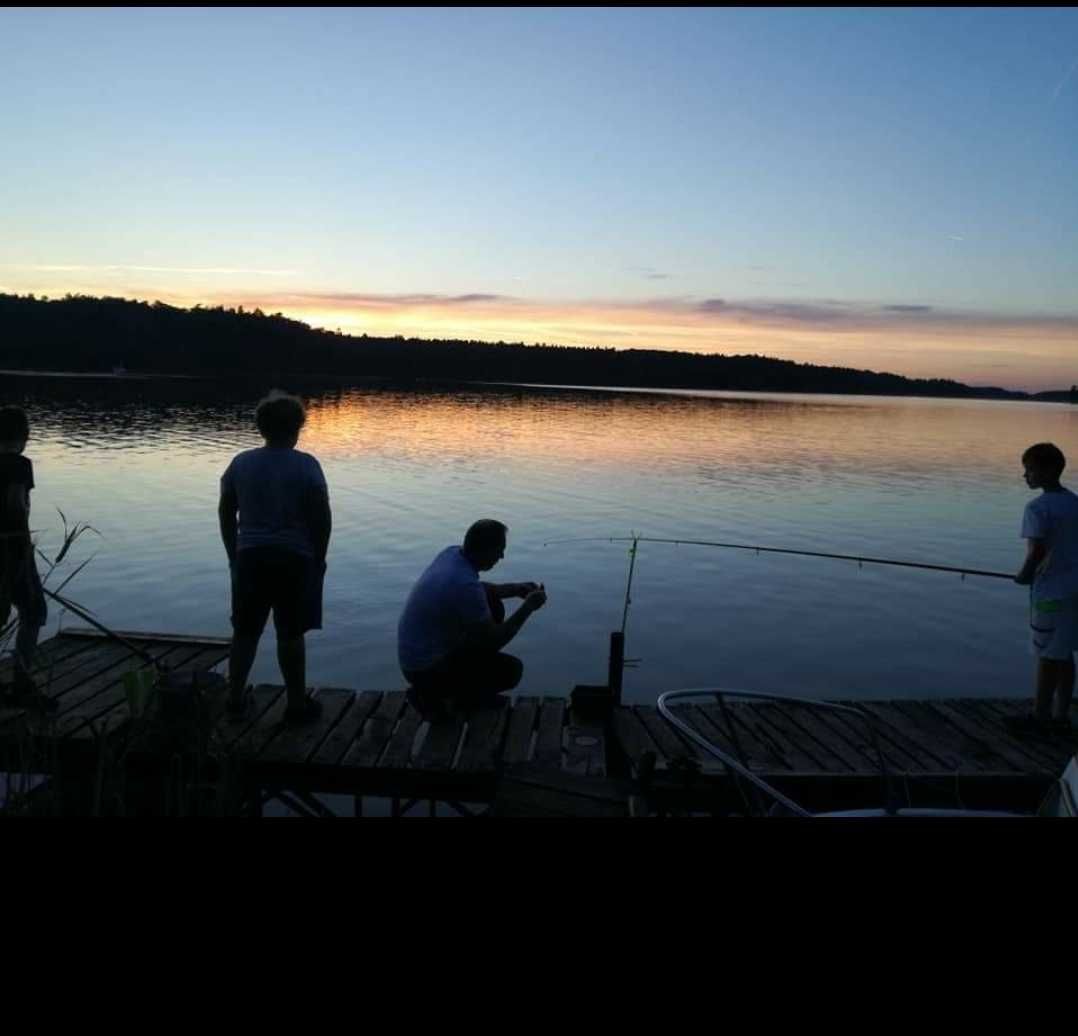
[{"x": 597, "y": 701}]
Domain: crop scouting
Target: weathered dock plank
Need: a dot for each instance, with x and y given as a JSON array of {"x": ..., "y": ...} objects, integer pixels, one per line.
[
  {"x": 928, "y": 755},
  {"x": 483, "y": 738},
  {"x": 90, "y": 701},
  {"x": 796, "y": 748},
  {"x": 1048, "y": 748},
  {"x": 110, "y": 706},
  {"x": 296, "y": 744},
  {"x": 439, "y": 747},
  {"x": 368, "y": 747},
  {"x": 398, "y": 750},
  {"x": 1001, "y": 754},
  {"x": 632, "y": 737},
  {"x": 841, "y": 756},
  {"x": 518, "y": 738},
  {"x": 757, "y": 737},
  {"x": 53, "y": 659},
  {"x": 934, "y": 743},
  {"x": 230, "y": 730},
  {"x": 551, "y": 731},
  {"x": 268, "y": 725},
  {"x": 729, "y": 731},
  {"x": 971, "y": 751},
  {"x": 670, "y": 743},
  {"x": 585, "y": 747},
  {"x": 343, "y": 735}
]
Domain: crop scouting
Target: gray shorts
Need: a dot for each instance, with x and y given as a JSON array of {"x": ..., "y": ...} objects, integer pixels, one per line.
[{"x": 1053, "y": 628}]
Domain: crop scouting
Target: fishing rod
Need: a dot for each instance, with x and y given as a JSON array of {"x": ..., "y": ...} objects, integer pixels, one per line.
[
  {"x": 617, "y": 654},
  {"x": 634, "y": 540}
]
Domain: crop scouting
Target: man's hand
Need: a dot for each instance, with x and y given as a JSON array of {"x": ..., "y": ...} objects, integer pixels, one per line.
[
  {"x": 1022, "y": 579},
  {"x": 523, "y": 589},
  {"x": 535, "y": 600}
]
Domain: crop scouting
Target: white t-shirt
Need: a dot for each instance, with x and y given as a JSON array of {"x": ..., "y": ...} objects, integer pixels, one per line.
[
  {"x": 446, "y": 598},
  {"x": 274, "y": 487},
  {"x": 1053, "y": 518}
]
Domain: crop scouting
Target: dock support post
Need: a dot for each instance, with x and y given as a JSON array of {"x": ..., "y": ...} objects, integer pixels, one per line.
[{"x": 617, "y": 665}]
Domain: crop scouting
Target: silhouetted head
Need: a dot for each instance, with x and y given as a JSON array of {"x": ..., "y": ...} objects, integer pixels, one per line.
[
  {"x": 1043, "y": 463},
  {"x": 484, "y": 543},
  {"x": 14, "y": 429},
  {"x": 279, "y": 418}
]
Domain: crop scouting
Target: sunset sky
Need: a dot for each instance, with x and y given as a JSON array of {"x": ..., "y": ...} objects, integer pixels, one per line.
[{"x": 881, "y": 188}]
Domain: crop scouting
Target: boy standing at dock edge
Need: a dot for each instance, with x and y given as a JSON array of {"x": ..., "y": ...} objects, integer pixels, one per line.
[
  {"x": 1050, "y": 527},
  {"x": 275, "y": 524}
]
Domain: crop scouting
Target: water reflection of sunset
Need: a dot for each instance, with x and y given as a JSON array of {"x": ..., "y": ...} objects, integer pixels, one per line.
[{"x": 648, "y": 429}]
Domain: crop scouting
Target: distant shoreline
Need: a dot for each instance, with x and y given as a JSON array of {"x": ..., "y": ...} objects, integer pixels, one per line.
[
  {"x": 122, "y": 340},
  {"x": 110, "y": 375},
  {"x": 296, "y": 379},
  {"x": 1028, "y": 397}
]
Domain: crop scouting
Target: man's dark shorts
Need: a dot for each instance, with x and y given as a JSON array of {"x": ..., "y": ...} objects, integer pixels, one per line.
[
  {"x": 471, "y": 678},
  {"x": 274, "y": 579}
]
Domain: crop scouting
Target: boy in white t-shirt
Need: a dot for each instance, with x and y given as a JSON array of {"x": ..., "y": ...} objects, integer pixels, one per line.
[
  {"x": 1050, "y": 527},
  {"x": 275, "y": 524}
]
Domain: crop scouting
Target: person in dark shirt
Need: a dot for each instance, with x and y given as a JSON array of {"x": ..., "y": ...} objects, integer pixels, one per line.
[{"x": 20, "y": 584}]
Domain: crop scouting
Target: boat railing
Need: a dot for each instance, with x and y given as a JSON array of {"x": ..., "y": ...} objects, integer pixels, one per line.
[{"x": 738, "y": 765}]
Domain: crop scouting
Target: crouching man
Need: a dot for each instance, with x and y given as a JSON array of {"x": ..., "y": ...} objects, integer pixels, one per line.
[{"x": 453, "y": 626}]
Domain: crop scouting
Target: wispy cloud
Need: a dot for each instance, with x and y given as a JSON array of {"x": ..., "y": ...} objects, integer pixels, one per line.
[
  {"x": 649, "y": 273},
  {"x": 370, "y": 300},
  {"x": 126, "y": 267},
  {"x": 806, "y": 312}
]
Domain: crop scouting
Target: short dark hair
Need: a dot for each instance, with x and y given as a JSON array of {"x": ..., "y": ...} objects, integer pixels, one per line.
[
  {"x": 280, "y": 416},
  {"x": 484, "y": 534},
  {"x": 1046, "y": 457},
  {"x": 14, "y": 425}
]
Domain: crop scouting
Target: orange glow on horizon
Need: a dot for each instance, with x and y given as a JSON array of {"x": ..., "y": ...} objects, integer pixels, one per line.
[
  {"x": 1018, "y": 352},
  {"x": 1034, "y": 355}
]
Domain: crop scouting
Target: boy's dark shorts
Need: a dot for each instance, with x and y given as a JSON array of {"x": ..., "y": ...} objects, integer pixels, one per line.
[
  {"x": 274, "y": 579},
  {"x": 20, "y": 585}
]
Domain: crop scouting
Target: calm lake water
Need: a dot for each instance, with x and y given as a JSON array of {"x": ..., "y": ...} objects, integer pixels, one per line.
[{"x": 927, "y": 480}]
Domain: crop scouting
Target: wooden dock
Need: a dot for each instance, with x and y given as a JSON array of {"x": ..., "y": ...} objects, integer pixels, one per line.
[{"x": 532, "y": 755}]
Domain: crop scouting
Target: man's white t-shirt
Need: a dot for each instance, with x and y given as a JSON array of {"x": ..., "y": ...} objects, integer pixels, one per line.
[
  {"x": 1053, "y": 518},
  {"x": 446, "y": 599}
]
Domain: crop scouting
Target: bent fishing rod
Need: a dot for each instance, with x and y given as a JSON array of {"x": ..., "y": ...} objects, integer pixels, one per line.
[{"x": 785, "y": 550}]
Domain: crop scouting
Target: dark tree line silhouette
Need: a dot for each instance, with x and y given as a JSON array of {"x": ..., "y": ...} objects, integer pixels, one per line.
[{"x": 86, "y": 333}]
